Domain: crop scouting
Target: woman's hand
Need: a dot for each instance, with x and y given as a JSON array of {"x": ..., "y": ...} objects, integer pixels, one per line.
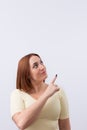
[{"x": 52, "y": 88}]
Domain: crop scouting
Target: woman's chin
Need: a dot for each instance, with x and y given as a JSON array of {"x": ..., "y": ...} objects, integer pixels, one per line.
[{"x": 45, "y": 77}]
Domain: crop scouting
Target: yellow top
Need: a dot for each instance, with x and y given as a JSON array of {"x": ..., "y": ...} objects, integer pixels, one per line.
[{"x": 55, "y": 108}]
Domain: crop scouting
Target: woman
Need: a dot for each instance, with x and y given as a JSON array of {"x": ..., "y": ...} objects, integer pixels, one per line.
[{"x": 36, "y": 105}]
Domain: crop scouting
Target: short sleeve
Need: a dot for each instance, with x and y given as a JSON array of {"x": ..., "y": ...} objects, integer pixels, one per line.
[
  {"x": 64, "y": 113},
  {"x": 16, "y": 102}
]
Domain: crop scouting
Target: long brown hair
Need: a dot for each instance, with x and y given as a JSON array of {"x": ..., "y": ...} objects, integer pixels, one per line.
[{"x": 23, "y": 73}]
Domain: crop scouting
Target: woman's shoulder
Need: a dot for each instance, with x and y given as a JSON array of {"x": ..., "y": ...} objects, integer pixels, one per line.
[
  {"x": 15, "y": 92},
  {"x": 61, "y": 91},
  {"x": 18, "y": 92}
]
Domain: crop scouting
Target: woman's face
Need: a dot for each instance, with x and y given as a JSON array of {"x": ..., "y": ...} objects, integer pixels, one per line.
[{"x": 37, "y": 69}]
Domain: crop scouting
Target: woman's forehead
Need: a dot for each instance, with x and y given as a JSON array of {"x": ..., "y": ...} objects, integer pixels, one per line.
[{"x": 34, "y": 59}]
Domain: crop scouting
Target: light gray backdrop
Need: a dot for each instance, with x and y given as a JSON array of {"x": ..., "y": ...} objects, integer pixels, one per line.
[{"x": 57, "y": 30}]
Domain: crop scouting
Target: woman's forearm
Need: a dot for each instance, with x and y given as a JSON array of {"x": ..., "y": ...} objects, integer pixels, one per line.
[{"x": 28, "y": 116}]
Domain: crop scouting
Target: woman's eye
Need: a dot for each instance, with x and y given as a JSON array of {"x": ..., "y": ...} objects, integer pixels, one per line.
[
  {"x": 41, "y": 62},
  {"x": 35, "y": 66}
]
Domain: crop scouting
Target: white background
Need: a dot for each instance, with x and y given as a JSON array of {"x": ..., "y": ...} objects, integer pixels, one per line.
[{"x": 57, "y": 31}]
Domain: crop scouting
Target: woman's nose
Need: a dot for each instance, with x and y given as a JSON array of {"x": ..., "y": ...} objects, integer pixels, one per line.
[{"x": 41, "y": 67}]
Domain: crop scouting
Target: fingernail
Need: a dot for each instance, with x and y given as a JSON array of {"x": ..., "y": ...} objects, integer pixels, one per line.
[{"x": 56, "y": 75}]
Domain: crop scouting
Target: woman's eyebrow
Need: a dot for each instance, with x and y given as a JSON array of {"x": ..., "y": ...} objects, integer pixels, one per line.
[{"x": 35, "y": 63}]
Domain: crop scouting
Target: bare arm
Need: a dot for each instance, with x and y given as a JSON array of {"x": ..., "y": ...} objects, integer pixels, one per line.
[
  {"x": 27, "y": 116},
  {"x": 64, "y": 124}
]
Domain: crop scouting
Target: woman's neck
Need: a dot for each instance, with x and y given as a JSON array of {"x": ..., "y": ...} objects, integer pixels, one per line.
[{"x": 38, "y": 87}]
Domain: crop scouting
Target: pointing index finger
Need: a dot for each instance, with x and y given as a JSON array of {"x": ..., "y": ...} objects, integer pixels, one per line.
[{"x": 54, "y": 79}]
